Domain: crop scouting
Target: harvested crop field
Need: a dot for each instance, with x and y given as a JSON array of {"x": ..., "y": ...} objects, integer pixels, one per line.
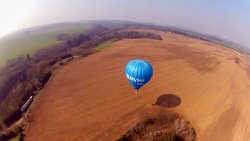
[{"x": 90, "y": 99}]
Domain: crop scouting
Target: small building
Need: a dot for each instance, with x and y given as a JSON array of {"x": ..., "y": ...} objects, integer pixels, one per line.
[
  {"x": 63, "y": 62},
  {"x": 27, "y": 104},
  {"x": 67, "y": 60}
]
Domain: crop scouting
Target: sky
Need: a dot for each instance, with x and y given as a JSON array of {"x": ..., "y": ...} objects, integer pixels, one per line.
[{"x": 229, "y": 19}]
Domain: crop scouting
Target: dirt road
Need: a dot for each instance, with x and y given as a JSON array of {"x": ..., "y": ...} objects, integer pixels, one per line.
[{"x": 91, "y": 99}]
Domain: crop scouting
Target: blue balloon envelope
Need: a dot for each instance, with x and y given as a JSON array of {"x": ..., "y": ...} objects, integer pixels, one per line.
[{"x": 138, "y": 72}]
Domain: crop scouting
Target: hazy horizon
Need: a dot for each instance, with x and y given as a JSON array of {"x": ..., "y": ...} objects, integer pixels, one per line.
[{"x": 226, "y": 19}]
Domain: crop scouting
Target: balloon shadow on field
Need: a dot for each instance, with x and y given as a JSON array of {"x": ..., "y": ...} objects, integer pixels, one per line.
[{"x": 168, "y": 101}]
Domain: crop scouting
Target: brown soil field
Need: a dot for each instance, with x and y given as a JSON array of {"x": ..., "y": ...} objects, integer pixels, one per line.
[{"x": 91, "y": 99}]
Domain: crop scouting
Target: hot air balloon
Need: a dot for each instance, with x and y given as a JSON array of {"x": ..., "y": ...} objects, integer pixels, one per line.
[{"x": 138, "y": 72}]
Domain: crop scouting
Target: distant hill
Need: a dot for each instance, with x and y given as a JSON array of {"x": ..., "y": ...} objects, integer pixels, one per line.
[{"x": 32, "y": 39}]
